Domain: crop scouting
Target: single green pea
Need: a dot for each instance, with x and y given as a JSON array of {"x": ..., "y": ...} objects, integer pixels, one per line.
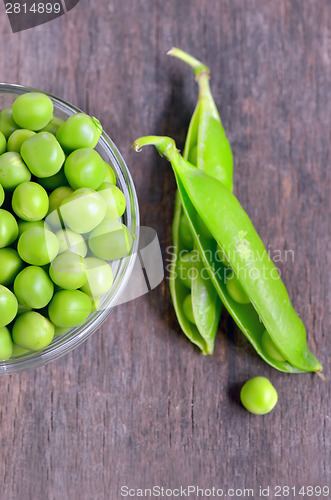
[
  {"x": 188, "y": 308},
  {"x": 54, "y": 181},
  {"x": 99, "y": 277},
  {"x": 69, "y": 308},
  {"x": 258, "y": 395},
  {"x": 84, "y": 168},
  {"x": 2, "y": 195},
  {"x": 236, "y": 291},
  {"x": 13, "y": 171},
  {"x": 8, "y": 306},
  {"x": 18, "y": 351},
  {"x": 38, "y": 246},
  {"x": 16, "y": 139},
  {"x": 8, "y": 228},
  {"x": 32, "y": 331},
  {"x": 53, "y": 126},
  {"x": 10, "y": 265},
  {"x": 43, "y": 154},
  {"x": 7, "y": 124},
  {"x": 33, "y": 287},
  {"x": 83, "y": 210},
  {"x": 114, "y": 199},
  {"x": 74, "y": 242},
  {"x": 3, "y": 143},
  {"x": 79, "y": 131},
  {"x": 6, "y": 343},
  {"x": 24, "y": 225},
  {"x": 111, "y": 240},
  {"x": 184, "y": 268},
  {"x": 110, "y": 175},
  {"x": 33, "y": 110},
  {"x": 185, "y": 233},
  {"x": 30, "y": 201},
  {"x": 270, "y": 348},
  {"x": 68, "y": 271}
]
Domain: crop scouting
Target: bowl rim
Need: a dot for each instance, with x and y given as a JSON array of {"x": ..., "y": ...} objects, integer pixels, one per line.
[{"x": 77, "y": 336}]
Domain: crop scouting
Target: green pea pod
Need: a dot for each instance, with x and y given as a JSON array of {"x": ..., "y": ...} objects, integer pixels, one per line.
[
  {"x": 206, "y": 304},
  {"x": 270, "y": 307}
]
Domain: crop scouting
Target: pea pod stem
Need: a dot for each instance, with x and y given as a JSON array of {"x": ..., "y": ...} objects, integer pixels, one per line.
[
  {"x": 197, "y": 66},
  {"x": 234, "y": 232}
]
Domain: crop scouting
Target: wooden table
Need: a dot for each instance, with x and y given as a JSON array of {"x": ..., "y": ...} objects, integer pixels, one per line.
[{"x": 137, "y": 405}]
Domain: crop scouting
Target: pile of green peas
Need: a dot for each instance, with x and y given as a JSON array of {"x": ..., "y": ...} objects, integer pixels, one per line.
[{"x": 60, "y": 223}]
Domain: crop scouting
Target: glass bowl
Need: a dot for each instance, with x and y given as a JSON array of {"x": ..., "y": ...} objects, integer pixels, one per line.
[{"x": 122, "y": 268}]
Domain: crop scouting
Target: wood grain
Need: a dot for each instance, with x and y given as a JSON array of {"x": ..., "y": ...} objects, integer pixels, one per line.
[{"x": 137, "y": 405}]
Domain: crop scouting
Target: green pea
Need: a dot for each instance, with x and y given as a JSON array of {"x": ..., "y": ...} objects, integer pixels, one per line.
[
  {"x": 18, "y": 351},
  {"x": 114, "y": 199},
  {"x": 6, "y": 343},
  {"x": 7, "y": 124},
  {"x": 184, "y": 268},
  {"x": 79, "y": 131},
  {"x": 270, "y": 348},
  {"x": 3, "y": 143},
  {"x": 68, "y": 271},
  {"x": 99, "y": 277},
  {"x": 24, "y": 225},
  {"x": 53, "y": 126},
  {"x": 111, "y": 240},
  {"x": 258, "y": 395},
  {"x": 10, "y": 265},
  {"x": 33, "y": 288},
  {"x": 188, "y": 308},
  {"x": 43, "y": 154},
  {"x": 54, "y": 181},
  {"x": 32, "y": 331},
  {"x": 17, "y": 138},
  {"x": 55, "y": 199},
  {"x": 83, "y": 210},
  {"x": 110, "y": 175},
  {"x": 33, "y": 110},
  {"x": 69, "y": 308},
  {"x": 185, "y": 233},
  {"x": 37, "y": 246},
  {"x": 84, "y": 168},
  {"x": 13, "y": 171},
  {"x": 236, "y": 291},
  {"x": 8, "y": 228},
  {"x": 30, "y": 201},
  {"x": 2, "y": 195},
  {"x": 74, "y": 242},
  {"x": 8, "y": 306}
]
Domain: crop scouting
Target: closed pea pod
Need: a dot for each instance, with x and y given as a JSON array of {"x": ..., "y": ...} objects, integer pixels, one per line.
[{"x": 270, "y": 307}]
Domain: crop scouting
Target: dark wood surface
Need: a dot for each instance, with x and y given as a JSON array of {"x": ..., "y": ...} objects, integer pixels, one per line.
[{"x": 137, "y": 405}]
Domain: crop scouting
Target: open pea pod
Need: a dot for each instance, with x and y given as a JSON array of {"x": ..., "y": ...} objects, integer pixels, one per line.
[
  {"x": 217, "y": 158},
  {"x": 270, "y": 308},
  {"x": 206, "y": 305}
]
